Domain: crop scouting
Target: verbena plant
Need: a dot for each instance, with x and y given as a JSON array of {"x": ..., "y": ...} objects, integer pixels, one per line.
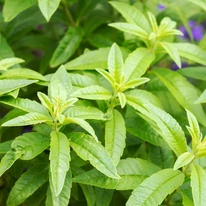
[{"x": 111, "y": 124}]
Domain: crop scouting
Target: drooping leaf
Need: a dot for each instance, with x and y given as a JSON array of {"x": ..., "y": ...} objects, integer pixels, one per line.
[
  {"x": 137, "y": 63},
  {"x": 12, "y": 8},
  {"x": 88, "y": 149},
  {"x": 28, "y": 183},
  {"x": 59, "y": 160},
  {"x": 183, "y": 160},
  {"x": 84, "y": 112},
  {"x": 115, "y": 135},
  {"x": 8, "y": 62},
  {"x": 115, "y": 62},
  {"x": 191, "y": 52},
  {"x": 5, "y": 146},
  {"x": 171, "y": 131},
  {"x": 8, "y": 160},
  {"x": 198, "y": 184},
  {"x": 132, "y": 14},
  {"x": 30, "y": 144},
  {"x": 27, "y": 119},
  {"x": 103, "y": 196},
  {"x": 67, "y": 46},
  {"x": 9, "y": 85},
  {"x": 132, "y": 172},
  {"x": 154, "y": 189},
  {"x": 63, "y": 198},
  {"x": 93, "y": 92},
  {"x": 184, "y": 92},
  {"x": 48, "y": 7},
  {"x": 22, "y": 73},
  {"x": 172, "y": 51},
  {"x": 26, "y": 105}
]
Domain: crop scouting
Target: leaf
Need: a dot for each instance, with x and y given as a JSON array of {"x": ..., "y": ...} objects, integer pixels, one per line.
[
  {"x": 27, "y": 119},
  {"x": 8, "y": 62},
  {"x": 131, "y": 170},
  {"x": 88, "y": 149},
  {"x": 137, "y": 63},
  {"x": 26, "y": 105},
  {"x": 103, "y": 196},
  {"x": 8, "y": 160},
  {"x": 171, "y": 131},
  {"x": 81, "y": 123},
  {"x": 59, "y": 160},
  {"x": 202, "y": 98},
  {"x": 134, "y": 83},
  {"x": 131, "y": 29},
  {"x": 198, "y": 184},
  {"x": 22, "y": 73},
  {"x": 115, "y": 62},
  {"x": 67, "y": 46},
  {"x": 45, "y": 100},
  {"x": 183, "y": 160},
  {"x": 93, "y": 93},
  {"x": 9, "y": 85},
  {"x": 30, "y": 144},
  {"x": 5, "y": 49},
  {"x": 48, "y": 7},
  {"x": 200, "y": 3},
  {"x": 84, "y": 112},
  {"x": 5, "y": 146},
  {"x": 12, "y": 8},
  {"x": 154, "y": 189},
  {"x": 132, "y": 15},
  {"x": 172, "y": 51},
  {"x": 197, "y": 72},
  {"x": 122, "y": 99},
  {"x": 191, "y": 52},
  {"x": 63, "y": 198},
  {"x": 27, "y": 184},
  {"x": 153, "y": 21},
  {"x": 115, "y": 136},
  {"x": 183, "y": 91}
]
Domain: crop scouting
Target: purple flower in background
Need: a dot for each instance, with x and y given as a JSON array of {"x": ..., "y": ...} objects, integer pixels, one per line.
[
  {"x": 174, "y": 66},
  {"x": 196, "y": 29},
  {"x": 161, "y": 7},
  {"x": 27, "y": 129}
]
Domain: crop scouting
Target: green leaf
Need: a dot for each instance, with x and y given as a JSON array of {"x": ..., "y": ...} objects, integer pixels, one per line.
[
  {"x": 137, "y": 63},
  {"x": 184, "y": 92},
  {"x": 153, "y": 21},
  {"x": 122, "y": 99},
  {"x": 198, "y": 184},
  {"x": 154, "y": 189},
  {"x": 48, "y": 7},
  {"x": 9, "y": 85},
  {"x": 134, "y": 83},
  {"x": 202, "y": 98},
  {"x": 8, "y": 160},
  {"x": 170, "y": 130},
  {"x": 8, "y": 62},
  {"x": 12, "y": 8},
  {"x": 84, "y": 112},
  {"x": 5, "y": 146},
  {"x": 132, "y": 15},
  {"x": 115, "y": 62},
  {"x": 63, "y": 198},
  {"x": 22, "y": 73},
  {"x": 93, "y": 92},
  {"x": 88, "y": 149},
  {"x": 172, "y": 51},
  {"x": 26, "y": 105},
  {"x": 194, "y": 72},
  {"x": 106, "y": 75},
  {"x": 45, "y": 100},
  {"x": 5, "y": 49},
  {"x": 103, "y": 196},
  {"x": 59, "y": 160},
  {"x": 27, "y": 119},
  {"x": 115, "y": 136},
  {"x": 31, "y": 144},
  {"x": 67, "y": 46},
  {"x": 27, "y": 184},
  {"x": 131, "y": 29},
  {"x": 81, "y": 123},
  {"x": 200, "y": 3},
  {"x": 191, "y": 52},
  {"x": 132, "y": 172},
  {"x": 183, "y": 160}
]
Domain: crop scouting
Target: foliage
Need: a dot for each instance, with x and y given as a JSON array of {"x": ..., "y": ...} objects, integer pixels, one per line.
[{"x": 93, "y": 111}]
